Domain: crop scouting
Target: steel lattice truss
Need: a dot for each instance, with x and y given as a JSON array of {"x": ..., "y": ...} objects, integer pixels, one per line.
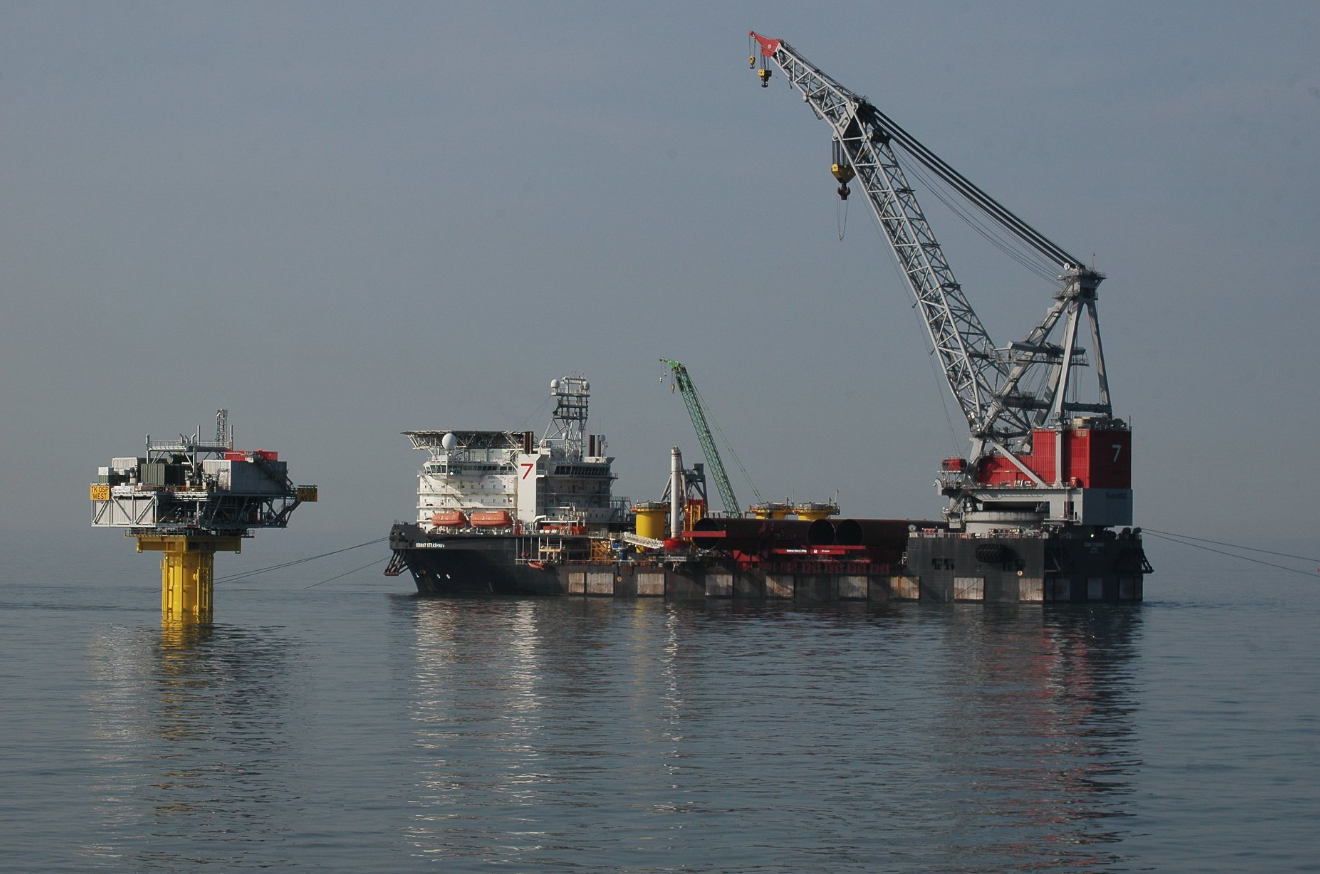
[
  {"x": 986, "y": 382},
  {"x": 704, "y": 437}
]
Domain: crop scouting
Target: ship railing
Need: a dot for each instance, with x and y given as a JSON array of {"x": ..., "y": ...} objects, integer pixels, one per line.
[
  {"x": 561, "y": 516},
  {"x": 551, "y": 548}
]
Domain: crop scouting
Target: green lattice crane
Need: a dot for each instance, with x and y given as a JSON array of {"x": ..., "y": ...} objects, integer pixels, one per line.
[{"x": 697, "y": 410}]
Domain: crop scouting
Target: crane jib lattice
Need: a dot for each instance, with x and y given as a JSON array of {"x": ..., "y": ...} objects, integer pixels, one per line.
[{"x": 987, "y": 382}]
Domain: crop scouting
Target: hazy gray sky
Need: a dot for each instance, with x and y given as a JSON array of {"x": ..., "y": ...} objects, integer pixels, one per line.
[{"x": 343, "y": 221}]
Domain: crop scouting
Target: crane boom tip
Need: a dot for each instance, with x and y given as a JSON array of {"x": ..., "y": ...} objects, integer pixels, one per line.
[{"x": 768, "y": 46}]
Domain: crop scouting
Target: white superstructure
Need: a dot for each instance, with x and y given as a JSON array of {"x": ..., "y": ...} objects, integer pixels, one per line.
[{"x": 502, "y": 482}]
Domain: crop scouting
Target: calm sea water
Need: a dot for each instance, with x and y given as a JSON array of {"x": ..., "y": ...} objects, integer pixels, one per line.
[{"x": 351, "y": 726}]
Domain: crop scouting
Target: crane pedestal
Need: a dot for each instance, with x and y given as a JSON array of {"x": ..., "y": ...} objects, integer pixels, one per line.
[{"x": 187, "y": 572}]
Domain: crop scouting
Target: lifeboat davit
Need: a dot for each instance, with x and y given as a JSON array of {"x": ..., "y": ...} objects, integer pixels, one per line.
[
  {"x": 449, "y": 519},
  {"x": 492, "y": 519}
]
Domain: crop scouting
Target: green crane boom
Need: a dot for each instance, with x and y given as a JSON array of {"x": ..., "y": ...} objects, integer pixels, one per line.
[{"x": 698, "y": 414}]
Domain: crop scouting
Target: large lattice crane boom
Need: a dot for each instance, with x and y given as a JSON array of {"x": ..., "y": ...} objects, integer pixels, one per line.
[
  {"x": 959, "y": 339},
  {"x": 1011, "y": 396},
  {"x": 697, "y": 412}
]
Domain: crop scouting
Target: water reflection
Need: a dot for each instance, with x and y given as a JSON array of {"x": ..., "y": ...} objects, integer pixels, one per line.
[
  {"x": 643, "y": 735},
  {"x": 190, "y": 739},
  {"x": 458, "y": 687},
  {"x": 520, "y": 710},
  {"x": 1035, "y": 735}
]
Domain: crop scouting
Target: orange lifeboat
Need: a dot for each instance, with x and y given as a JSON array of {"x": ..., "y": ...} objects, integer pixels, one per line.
[
  {"x": 492, "y": 519},
  {"x": 449, "y": 519}
]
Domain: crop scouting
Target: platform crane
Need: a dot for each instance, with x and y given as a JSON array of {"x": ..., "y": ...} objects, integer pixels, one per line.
[
  {"x": 1039, "y": 456},
  {"x": 697, "y": 412}
]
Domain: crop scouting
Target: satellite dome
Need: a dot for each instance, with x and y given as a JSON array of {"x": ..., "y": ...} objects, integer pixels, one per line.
[{"x": 449, "y": 441}]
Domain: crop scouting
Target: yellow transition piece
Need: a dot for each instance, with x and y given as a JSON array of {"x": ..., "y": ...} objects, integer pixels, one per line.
[{"x": 187, "y": 571}]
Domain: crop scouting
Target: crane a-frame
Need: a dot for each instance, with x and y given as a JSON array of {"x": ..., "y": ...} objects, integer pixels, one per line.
[{"x": 1041, "y": 455}]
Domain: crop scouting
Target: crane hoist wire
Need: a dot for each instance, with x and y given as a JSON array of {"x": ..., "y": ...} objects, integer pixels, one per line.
[
  {"x": 878, "y": 121},
  {"x": 706, "y": 428},
  {"x": 843, "y": 171},
  {"x": 1011, "y": 245},
  {"x": 732, "y": 452},
  {"x": 926, "y": 344}
]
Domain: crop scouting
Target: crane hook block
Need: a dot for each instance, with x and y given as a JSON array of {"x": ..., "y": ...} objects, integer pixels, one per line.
[
  {"x": 764, "y": 73},
  {"x": 751, "y": 62},
  {"x": 844, "y": 173}
]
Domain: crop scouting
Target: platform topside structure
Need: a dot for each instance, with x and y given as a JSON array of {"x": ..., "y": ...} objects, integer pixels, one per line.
[{"x": 190, "y": 498}]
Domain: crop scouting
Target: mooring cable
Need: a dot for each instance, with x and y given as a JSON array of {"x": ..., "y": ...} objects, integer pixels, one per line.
[
  {"x": 275, "y": 567},
  {"x": 1232, "y": 545},
  {"x": 1187, "y": 540},
  {"x": 346, "y": 573}
]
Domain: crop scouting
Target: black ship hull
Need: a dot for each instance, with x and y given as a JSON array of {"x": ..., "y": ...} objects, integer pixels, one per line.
[
  {"x": 941, "y": 569},
  {"x": 473, "y": 564}
]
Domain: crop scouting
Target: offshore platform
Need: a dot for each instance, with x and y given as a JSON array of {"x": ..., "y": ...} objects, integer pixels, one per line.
[{"x": 189, "y": 499}]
